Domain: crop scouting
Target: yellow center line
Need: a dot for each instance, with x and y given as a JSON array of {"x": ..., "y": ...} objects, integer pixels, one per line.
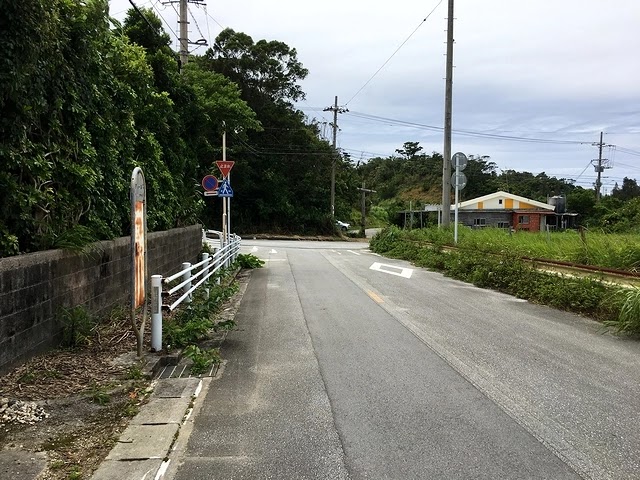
[{"x": 374, "y": 297}]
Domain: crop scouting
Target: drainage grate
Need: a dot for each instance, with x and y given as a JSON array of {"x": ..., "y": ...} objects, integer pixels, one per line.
[{"x": 183, "y": 370}]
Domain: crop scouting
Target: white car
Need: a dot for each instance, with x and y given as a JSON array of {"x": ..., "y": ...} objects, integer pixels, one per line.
[{"x": 344, "y": 226}]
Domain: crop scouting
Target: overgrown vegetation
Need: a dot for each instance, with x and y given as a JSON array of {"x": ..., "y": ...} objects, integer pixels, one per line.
[
  {"x": 77, "y": 325},
  {"x": 596, "y": 248},
  {"x": 506, "y": 271},
  {"x": 202, "y": 359},
  {"x": 247, "y": 260},
  {"x": 192, "y": 322}
]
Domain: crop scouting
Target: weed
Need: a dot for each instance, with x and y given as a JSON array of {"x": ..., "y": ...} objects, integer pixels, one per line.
[
  {"x": 134, "y": 372},
  {"x": 249, "y": 261},
  {"x": 628, "y": 320},
  {"x": 191, "y": 324},
  {"x": 56, "y": 465},
  {"x": 76, "y": 326},
  {"x": 202, "y": 359},
  {"x": 98, "y": 394},
  {"x": 75, "y": 474}
]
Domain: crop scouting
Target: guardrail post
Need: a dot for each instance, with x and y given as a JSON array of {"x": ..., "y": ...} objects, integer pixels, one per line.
[
  {"x": 186, "y": 277},
  {"x": 156, "y": 313},
  {"x": 205, "y": 268}
]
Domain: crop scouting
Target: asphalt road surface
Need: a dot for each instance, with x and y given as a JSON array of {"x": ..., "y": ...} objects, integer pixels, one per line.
[{"x": 350, "y": 365}]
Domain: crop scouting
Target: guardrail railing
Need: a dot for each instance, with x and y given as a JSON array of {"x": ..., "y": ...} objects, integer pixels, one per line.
[{"x": 191, "y": 277}]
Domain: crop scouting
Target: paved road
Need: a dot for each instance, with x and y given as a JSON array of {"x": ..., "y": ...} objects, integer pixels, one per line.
[{"x": 350, "y": 365}]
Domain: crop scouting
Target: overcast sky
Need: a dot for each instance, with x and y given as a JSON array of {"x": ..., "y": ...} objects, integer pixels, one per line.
[{"x": 552, "y": 70}]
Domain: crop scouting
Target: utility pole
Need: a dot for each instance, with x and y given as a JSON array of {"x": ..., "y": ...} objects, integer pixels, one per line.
[
  {"x": 446, "y": 156},
  {"x": 364, "y": 208},
  {"x": 600, "y": 164},
  {"x": 184, "y": 34},
  {"x": 183, "y": 21},
  {"x": 336, "y": 110}
]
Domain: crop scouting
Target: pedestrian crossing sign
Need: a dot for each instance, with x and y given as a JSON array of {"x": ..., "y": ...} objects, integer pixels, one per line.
[{"x": 225, "y": 190}]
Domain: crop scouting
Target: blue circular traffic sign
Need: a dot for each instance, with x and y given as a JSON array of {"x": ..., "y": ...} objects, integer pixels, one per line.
[{"x": 209, "y": 183}]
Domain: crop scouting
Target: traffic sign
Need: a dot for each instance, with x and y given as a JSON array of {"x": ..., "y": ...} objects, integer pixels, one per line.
[
  {"x": 209, "y": 183},
  {"x": 225, "y": 167},
  {"x": 211, "y": 193},
  {"x": 459, "y": 160},
  {"x": 225, "y": 190},
  {"x": 458, "y": 180}
]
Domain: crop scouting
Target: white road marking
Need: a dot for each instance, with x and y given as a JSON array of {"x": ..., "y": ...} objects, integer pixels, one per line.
[
  {"x": 254, "y": 249},
  {"x": 273, "y": 251},
  {"x": 392, "y": 270},
  {"x": 351, "y": 251}
]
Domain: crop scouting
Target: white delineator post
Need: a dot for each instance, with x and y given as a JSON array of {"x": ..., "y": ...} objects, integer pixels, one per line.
[
  {"x": 185, "y": 277},
  {"x": 156, "y": 313},
  {"x": 205, "y": 256}
]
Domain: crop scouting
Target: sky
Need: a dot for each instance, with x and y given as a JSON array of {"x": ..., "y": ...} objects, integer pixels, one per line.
[{"x": 548, "y": 74}]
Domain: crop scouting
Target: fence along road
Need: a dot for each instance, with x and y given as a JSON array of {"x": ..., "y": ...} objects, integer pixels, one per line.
[{"x": 341, "y": 370}]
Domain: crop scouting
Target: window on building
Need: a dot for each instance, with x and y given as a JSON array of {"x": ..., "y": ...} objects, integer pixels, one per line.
[
  {"x": 500, "y": 202},
  {"x": 503, "y": 225},
  {"x": 479, "y": 222},
  {"x": 523, "y": 219}
]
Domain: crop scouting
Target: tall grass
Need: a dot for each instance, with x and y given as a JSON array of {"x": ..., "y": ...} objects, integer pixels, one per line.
[{"x": 620, "y": 251}]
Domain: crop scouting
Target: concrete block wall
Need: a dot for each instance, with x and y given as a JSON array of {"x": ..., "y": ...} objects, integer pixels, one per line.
[{"x": 35, "y": 287}]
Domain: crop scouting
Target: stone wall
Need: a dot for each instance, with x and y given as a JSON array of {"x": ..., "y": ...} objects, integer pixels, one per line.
[{"x": 35, "y": 287}]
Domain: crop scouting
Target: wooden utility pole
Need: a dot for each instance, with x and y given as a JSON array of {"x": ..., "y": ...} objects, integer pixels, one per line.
[
  {"x": 446, "y": 156},
  {"x": 336, "y": 110}
]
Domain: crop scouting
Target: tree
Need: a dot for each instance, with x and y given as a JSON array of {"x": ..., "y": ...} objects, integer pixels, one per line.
[
  {"x": 629, "y": 190},
  {"x": 409, "y": 149},
  {"x": 267, "y": 69}
]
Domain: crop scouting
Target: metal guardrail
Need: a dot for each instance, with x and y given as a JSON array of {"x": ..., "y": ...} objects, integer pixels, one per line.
[{"x": 200, "y": 272}]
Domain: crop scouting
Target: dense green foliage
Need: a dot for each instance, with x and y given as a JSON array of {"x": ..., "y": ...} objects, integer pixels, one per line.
[
  {"x": 505, "y": 272},
  {"x": 86, "y": 100},
  {"x": 82, "y": 106}
]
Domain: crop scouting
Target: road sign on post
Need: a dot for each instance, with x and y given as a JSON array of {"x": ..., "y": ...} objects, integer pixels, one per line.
[
  {"x": 209, "y": 183},
  {"x": 225, "y": 167},
  {"x": 225, "y": 190},
  {"x": 459, "y": 180}
]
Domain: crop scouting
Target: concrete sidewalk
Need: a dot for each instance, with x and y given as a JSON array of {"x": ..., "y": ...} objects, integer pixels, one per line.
[{"x": 146, "y": 443}]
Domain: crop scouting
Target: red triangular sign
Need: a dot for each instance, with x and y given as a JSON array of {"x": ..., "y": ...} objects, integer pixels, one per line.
[{"x": 225, "y": 166}]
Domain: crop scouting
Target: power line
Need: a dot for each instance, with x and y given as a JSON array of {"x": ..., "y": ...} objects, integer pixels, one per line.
[
  {"x": 469, "y": 133},
  {"x": 165, "y": 22},
  {"x": 394, "y": 53},
  {"x": 126, "y": 10}
]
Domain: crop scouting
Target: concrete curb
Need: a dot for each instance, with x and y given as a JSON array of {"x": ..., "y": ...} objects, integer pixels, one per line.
[{"x": 146, "y": 443}]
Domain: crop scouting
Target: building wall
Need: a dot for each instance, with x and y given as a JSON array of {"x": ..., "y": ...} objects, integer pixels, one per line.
[
  {"x": 35, "y": 287},
  {"x": 491, "y": 217},
  {"x": 534, "y": 225}
]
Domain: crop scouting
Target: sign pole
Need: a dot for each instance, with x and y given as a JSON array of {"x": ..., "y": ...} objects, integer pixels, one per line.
[
  {"x": 224, "y": 200},
  {"x": 139, "y": 263}
]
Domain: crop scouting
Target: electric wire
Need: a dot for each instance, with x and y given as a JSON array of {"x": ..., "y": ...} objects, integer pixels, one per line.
[
  {"x": 195, "y": 22},
  {"x": 393, "y": 54},
  {"x": 127, "y": 9},
  {"x": 165, "y": 22},
  {"x": 469, "y": 133}
]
